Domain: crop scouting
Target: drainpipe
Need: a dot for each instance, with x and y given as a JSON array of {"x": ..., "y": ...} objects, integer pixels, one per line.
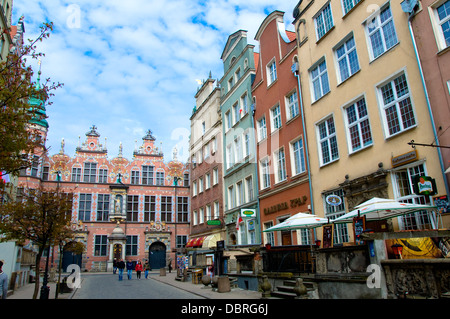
[
  {"x": 296, "y": 72},
  {"x": 411, "y": 12}
]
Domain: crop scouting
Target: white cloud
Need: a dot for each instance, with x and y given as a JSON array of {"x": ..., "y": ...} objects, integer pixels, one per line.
[{"x": 130, "y": 66}]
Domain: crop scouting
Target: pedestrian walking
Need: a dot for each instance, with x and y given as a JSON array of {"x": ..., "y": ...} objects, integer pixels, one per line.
[
  {"x": 114, "y": 266},
  {"x": 3, "y": 282},
  {"x": 138, "y": 269},
  {"x": 146, "y": 269},
  {"x": 130, "y": 268},
  {"x": 121, "y": 267}
]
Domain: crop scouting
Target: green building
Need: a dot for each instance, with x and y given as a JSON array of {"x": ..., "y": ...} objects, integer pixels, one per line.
[{"x": 240, "y": 177}]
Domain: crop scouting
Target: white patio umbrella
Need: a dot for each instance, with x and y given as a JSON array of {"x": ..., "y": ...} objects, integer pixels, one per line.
[
  {"x": 382, "y": 208},
  {"x": 299, "y": 221}
]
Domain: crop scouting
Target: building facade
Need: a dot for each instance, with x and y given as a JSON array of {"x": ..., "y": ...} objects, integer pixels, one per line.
[
  {"x": 129, "y": 209},
  {"x": 6, "y": 39},
  {"x": 364, "y": 102},
  {"x": 207, "y": 219},
  {"x": 283, "y": 178},
  {"x": 239, "y": 159}
]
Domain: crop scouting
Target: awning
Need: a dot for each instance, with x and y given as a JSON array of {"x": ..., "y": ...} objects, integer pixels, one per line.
[
  {"x": 211, "y": 241},
  {"x": 195, "y": 242},
  {"x": 190, "y": 242}
]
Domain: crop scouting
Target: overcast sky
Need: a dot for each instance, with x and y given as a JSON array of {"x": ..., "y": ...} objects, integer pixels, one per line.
[{"x": 130, "y": 66}]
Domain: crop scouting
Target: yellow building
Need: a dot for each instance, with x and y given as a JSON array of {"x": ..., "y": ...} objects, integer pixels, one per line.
[{"x": 364, "y": 102}]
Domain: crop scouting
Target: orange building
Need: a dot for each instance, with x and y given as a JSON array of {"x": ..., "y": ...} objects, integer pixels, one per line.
[{"x": 283, "y": 178}]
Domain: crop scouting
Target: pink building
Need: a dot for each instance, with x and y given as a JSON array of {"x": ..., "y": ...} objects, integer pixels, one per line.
[{"x": 129, "y": 209}]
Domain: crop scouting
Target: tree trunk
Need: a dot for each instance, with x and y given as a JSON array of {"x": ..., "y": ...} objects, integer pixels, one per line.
[{"x": 37, "y": 265}]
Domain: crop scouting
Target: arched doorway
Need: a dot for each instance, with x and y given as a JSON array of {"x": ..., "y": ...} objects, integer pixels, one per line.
[
  {"x": 69, "y": 257},
  {"x": 157, "y": 255}
]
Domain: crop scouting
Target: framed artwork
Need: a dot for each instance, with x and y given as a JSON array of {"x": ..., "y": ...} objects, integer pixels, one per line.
[
  {"x": 359, "y": 225},
  {"x": 327, "y": 236}
]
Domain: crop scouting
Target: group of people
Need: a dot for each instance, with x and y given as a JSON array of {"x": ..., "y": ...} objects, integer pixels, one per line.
[{"x": 130, "y": 266}]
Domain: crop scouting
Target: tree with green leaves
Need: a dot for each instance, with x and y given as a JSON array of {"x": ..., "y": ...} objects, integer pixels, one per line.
[
  {"x": 41, "y": 216},
  {"x": 18, "y": 140}
]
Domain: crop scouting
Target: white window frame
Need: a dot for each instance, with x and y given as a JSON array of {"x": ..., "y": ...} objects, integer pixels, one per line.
[
  {"x": 374, "y": 21},
  {"x": 262, "y": 128},
  {"x": 271, "y": 69},
  {"x": 346, "y": 57},
  {"x": 329, "y": 136},
  {"x": 249, "y": 195},
  {"x": 264, "y": 166},
  {"x": 294, "y": 153},
  {"x": 396, "y": 101},
  {"x": 437, "y": 24},
  {"x": 280, "y": 165},
  {"x": 319, "y": 77},
  {"x": 319, "y": 21},
  {"x": 292, "y": 109},
  {"x": 359, "y": 120},
  {"x": 275, "y": 118},
  {"x": 352, "y": 4}
]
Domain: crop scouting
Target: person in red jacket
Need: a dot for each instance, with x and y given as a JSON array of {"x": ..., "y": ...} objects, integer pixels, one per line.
[{"x": 138, "y": 269}]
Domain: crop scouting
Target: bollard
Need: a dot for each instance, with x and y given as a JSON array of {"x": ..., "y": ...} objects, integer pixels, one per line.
[{"x": 162, "y": 272}]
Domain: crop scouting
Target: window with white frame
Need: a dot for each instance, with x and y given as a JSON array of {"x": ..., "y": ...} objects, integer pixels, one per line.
[
  {"x": 194, "y": 188},
  {"x": 207, "y": 180},
  {"x": 441, "y": 23},
  {"x": 292, "y": 105},
  {"x": 347, "y": 5},
  {"x": 244, "y": 104},
  {"x": 207, "y": 151},
  {"x": 275, "y": 114},
  {"x": 215, "y": 176},
  {"x": 238, "y": 149},
  {"x": 359, "y": 134},
  {"x": 381, "y": 32},
  {"x": 208, "y": 212},
  {"x": 200, "y": 185},
  {"x": 103, "y": 175},
  {"x": 201, "y": 215},
  {"x": 262, "y": 130},
  {"x": 280, "y": 165},
  {"x": 135, "y": 177},
  {"x": 239, "y": 193},
  {"x": 347, "y": 59},
  {"x": 228, "y": 122},
  {"x": 194, "y": 218},
  {"x": 319, "y": 80},
  {"x": 249, "y": 189},
  {"x": 265, "y": 173},
  {"x": 236, "y": 113},
  {"x": 160, "y": 178},
  {"x": 298, "y": 156},
  {"x": 231, "y": 197},
  {"x": 397, "y": 110},
  {"x": 271, "y": 72},
  {"x": 404, "y": 192},
  {"x": 230, "y": 155},
  {"x": 269, "y": 236},
  {"x": 246, "y": 143},
  {"x": 100, "y": 245},
  {"x": 324, "y": 21},
  {"x": 216, "y": 210},
  {"x": 328, "y": 146}
]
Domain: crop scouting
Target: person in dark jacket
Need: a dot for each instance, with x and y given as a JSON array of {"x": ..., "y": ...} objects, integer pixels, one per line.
[
  {"x": 130, "y": 268},
  {"x": 121, "y": 267}
]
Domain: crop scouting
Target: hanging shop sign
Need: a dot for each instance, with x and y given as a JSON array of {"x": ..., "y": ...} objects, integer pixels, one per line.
[
  {"x": 424, "y": 185},
  {"x": 404, "y": 158},
  {"x": 333, "y": 200},
  {"x": 247, "y": 212}
]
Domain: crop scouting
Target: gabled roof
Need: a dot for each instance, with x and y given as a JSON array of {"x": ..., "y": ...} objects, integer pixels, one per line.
[{"x": 232, "y": 39}]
